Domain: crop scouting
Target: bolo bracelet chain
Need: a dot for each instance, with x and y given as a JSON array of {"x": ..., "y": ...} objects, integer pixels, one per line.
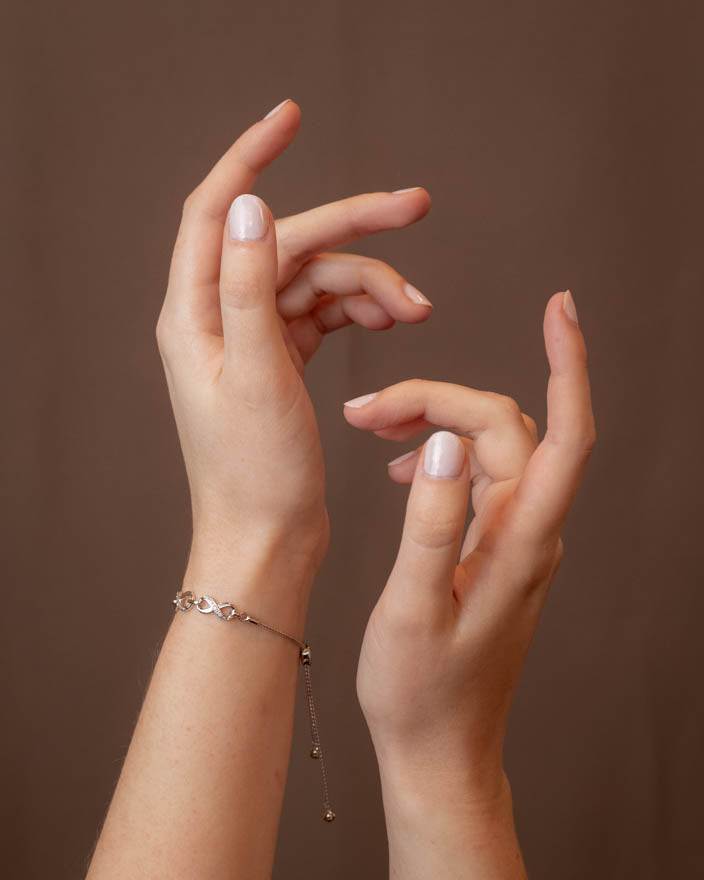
[{"x": 185, "y": 600}]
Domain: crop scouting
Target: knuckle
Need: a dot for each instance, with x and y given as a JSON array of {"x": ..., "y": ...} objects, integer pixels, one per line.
[
  {"x": 408, "y": 388},
  {"x": 416, "y": 386},
  {"x": 579, "y": 441},
  {"x": 369, "y": 269},
  {"x": 509, "y": 407},
  {"x": 505, "y": 407}
]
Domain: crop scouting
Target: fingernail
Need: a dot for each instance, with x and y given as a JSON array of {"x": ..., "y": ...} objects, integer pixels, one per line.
[
  {"x": 409, "y": 189},
  {"x": 401, "y": 458},
  {"x": 356, "y": 402},
  {"x": 247, "y": 218},
  {"x": 444, "y": 455},
  {"x": 569, "y": 307},
  {"x": 416, "y": 296},
  {"x": 277, "y": 108}
]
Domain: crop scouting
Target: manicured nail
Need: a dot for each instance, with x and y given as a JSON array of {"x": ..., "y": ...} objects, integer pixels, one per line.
[
  {"x": 409, "y": 189},
  {"x": 402, "y": 458},
  {"x": 444, "y": 455},
  {"x": 356, "y": 402},
  {"x": 569, "y": 307},
  {"x": 247, "y": 218},
  {"x": 277, "y": 108},
  {"x": 416, "y": 296}
]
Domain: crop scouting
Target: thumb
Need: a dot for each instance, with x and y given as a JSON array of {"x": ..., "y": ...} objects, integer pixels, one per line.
[
  {"x": 434, "y": 526},
  {"x": 250, "y": 322}
]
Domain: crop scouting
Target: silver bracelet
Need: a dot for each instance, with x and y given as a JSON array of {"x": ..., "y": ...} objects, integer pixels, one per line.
[{"x": 185, "y": 600}]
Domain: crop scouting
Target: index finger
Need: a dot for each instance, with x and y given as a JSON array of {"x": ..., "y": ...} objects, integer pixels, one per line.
[
  {"x": 502, "y": 442},
  {"x": 196, "y": 260},
  {"x": 553, "y": 474}
]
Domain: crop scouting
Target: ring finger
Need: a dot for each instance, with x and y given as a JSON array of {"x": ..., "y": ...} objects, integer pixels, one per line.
[{"x": 350, "y": 275}]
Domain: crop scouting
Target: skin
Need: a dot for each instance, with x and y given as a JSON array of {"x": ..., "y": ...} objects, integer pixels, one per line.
[
  {"x": 445, "y": 644},
  {"x": 201, "y": 789}
]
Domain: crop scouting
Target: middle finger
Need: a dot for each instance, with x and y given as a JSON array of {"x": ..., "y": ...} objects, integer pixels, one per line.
[{"x": 302, "y": 236}]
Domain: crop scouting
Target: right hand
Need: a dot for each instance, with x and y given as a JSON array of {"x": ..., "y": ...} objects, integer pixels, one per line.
[
  {"x": 445, "y": 644},
  {"x": 240, "y": 319}
]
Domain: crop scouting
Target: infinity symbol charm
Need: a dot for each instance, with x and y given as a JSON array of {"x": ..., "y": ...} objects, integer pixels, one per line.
[{"x": 223, "y": 610}]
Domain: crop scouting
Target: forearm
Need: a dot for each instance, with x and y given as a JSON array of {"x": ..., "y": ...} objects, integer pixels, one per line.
[
  {"x": 203, "y": 781},
  {"x": 439, "y": 826}
]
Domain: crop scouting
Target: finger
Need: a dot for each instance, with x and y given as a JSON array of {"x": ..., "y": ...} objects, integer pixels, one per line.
[
  {"x": 553, "y": 474},
  {"x": 196, "y": 259},
  {"x": 402, "y": 468},
  {"x": 331, "y": 314},
  {"x": 423, "y": 574},
  {"x": 531, "y": 426},
  {"x": 502, "y": 441},
  {"x": 412, "y": 429},
  {"x": 254, "y": 344},
  {"x": 304, "y": 235},
  {"x": 400, "y": 433},
  {"x": 350, "y": 275},
  {"x": 337, "y": 312}
]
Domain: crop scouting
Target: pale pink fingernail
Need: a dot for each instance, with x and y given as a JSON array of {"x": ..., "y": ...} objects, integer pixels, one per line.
[
  {"x": 569, "y": 307},
  {"x": 416, "y": 296},
  {"x": 277, "y": 108},
  {"x": 248, "y": 218},
  {"x": 409, "y": 189},
  {"x": 401, "y": 458},
  {"x": 356, "y": 402},
  {"x": 444, "y": 455}
]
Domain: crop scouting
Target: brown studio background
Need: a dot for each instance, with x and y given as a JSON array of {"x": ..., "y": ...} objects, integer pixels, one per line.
[{"x": 562, "y": 145}]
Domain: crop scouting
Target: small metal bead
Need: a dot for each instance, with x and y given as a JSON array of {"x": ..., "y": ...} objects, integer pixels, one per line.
[
  {"x": 315, "y": 752},
  {"x": 329, "y": 816}
]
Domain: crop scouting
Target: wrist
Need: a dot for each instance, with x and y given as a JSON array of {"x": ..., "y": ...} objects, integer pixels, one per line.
[
  {"x": 441, "y": 827},
  {"x": 267, "y": 572},
  {"x": 430, "y": 781},
  {"x": 447, "y": 757}
]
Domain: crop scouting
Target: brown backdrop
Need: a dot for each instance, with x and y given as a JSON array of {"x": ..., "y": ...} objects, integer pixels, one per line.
[{"x": 562, "y": 144}]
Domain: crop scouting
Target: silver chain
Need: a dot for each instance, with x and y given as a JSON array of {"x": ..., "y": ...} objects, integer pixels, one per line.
[{"x": 186, "y": 599}]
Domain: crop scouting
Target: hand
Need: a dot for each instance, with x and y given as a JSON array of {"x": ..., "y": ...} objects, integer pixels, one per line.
[
  {"x": 247, "y": 304},
  {"x": 445, "y": 644}
]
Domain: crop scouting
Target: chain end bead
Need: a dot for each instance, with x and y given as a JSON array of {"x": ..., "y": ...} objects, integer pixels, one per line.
[{"x": 329, "y": 815}]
